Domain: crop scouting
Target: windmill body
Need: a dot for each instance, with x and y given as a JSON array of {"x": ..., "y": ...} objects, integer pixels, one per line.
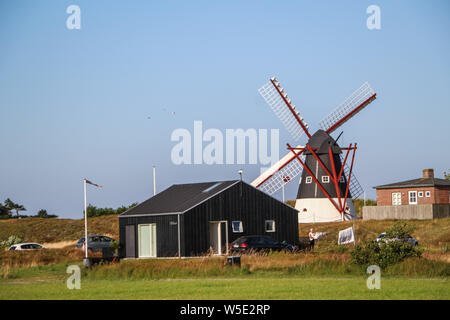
[
  {"x": 327, "y": 184},
  {"x": 311, "y": 202}
]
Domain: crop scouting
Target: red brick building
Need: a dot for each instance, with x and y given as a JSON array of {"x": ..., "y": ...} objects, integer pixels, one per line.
[
  {"x": 424, "y": 198},
  {"x": 425, "y": 190}
]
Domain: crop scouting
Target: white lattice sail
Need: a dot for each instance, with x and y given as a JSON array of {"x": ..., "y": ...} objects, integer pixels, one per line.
[
  {"x": 281, "y": 173},
  {"x": 355, "y": 187},
  {"x": 283, "y": 107},
  {"x": 347, "y": 109}
]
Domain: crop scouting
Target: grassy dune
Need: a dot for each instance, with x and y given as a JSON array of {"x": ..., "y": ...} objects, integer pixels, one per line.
[
  {"x": 57, "y": 230},
  {"x": 433, "y": 235}
]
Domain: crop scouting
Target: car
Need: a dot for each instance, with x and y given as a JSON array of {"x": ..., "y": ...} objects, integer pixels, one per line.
[
  {"x": 259, "y": 243},
  {"x": 26, "y": 246},
  {"x": 96, "y": 243},
  {"x": 408, "y": 239}
]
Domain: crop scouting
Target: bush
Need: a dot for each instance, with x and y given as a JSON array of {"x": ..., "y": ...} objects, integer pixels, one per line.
[
  {"x": 386, "y": 253},
  {"x": 93, "y": 211},
  {"x": 11, "y": 241}
]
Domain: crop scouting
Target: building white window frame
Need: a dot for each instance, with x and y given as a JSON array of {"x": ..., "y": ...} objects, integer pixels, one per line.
[
  {"x": 428, "y": 194},
  {"x": 410, "y": 193},
  {"x": 420, "y": 194},
  {"x": 325, "y": 179},
  {"x": 308, "y": 180},
  {"x": 398, "y": 198},
  {"x": 342, "y": 179},
  {"x": 240, "y": 228},
  {"x": 273, "y": 226}
]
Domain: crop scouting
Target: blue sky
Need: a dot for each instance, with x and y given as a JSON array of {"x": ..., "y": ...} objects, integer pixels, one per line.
[{"x": 75, "y": 103}]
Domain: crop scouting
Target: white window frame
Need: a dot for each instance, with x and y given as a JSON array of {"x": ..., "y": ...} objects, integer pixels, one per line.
[
  {"x": 409, "y": 197},
  {"x": 399, "y": 198},
  {"x": 420, "y": 194},
  {"x": 325, "y": 179},
  {"x": 428, "y": 194},
  {"x": 240, "y": 230},
  {"x": 265, "y": 226},
  {"x": 308, "y": 180},
  {"x": 342, "y": 179}
]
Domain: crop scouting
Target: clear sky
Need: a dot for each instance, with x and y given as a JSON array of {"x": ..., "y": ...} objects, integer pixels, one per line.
[{"x": 98, "y": 102}]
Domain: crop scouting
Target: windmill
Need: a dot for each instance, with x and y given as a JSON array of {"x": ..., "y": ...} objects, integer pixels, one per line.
[{"x": 327, "y": 184}]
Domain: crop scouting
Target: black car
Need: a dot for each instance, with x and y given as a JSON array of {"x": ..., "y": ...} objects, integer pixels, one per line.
[
  {"x": 95, "y": 243},
  {"x": 258, "y": 244}
]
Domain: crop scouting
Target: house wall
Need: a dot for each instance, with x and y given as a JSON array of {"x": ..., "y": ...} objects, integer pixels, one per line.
[
  {"x": 438, "y": 195},
  {"x": 248, "y": 205},
  {"x": 166, "y": 234}
]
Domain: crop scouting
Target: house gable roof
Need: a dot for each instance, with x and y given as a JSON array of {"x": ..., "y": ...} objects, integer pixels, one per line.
[
  {"x": 179, "y": 198},
  {"x": 422, "y": 182}
]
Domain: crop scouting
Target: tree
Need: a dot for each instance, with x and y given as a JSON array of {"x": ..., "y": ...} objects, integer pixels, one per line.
[
  {"x": 43, "y": 214},
  {"x": 447, "y": 174},
  {"x": 4, "y": 212},
  {"x": 10, "y": 205},
  {"x": 93, "y": 211}
]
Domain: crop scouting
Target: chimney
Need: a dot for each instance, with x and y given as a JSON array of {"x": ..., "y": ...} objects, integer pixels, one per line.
[{"x": 428, "y": 173}]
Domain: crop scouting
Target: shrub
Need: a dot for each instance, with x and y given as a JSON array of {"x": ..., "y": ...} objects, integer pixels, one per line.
[
  {"x": 10, "y": 241},
  {"x": 383, "y": 254},
  {"x": 386, "y": 253}
]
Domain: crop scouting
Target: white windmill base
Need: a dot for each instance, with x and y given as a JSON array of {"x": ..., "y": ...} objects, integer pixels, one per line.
[{"x": 322, "y": 210}]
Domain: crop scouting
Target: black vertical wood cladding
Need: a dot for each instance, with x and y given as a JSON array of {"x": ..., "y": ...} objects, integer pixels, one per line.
[
  {"x": 248, "y": 205},
  {"x": 166, "y": 233}
]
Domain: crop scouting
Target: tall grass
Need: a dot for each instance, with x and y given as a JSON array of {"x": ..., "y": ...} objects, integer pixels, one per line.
[
  {"x": 277, "y": 264},
  {"x": 21, "y": 259}
]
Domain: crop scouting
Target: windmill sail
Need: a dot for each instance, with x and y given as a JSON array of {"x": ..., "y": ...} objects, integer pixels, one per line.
[
  {"x": 355, "y": 187},
  {"x": 347, "y": 109},
  {"x": 284, "y": 109},
  {"x": 281, "y": 173}
]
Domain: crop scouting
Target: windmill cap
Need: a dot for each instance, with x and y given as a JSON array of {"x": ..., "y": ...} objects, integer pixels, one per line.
[{"x": 321, "y": 142}]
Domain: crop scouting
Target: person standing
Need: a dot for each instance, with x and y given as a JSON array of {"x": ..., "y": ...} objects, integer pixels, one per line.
[{"x": 311, "y": 236}]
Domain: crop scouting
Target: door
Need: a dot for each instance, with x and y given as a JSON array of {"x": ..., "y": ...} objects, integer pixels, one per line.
[
  {"x": 396, "y": 199},
  {"x": 218, "y": 237},
  {"x": 147, "y": 240},
  {"x": 130, "y": 247}
]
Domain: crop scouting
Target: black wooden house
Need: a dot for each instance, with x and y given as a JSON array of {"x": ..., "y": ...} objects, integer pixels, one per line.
[{"x": 193, "y": 219}]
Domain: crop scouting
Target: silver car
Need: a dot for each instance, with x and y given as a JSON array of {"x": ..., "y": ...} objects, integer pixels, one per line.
[
  {"x": 95, "y": 243},
  {"x": 412, "y": 241},
  {"x": 26, "y": 246}
]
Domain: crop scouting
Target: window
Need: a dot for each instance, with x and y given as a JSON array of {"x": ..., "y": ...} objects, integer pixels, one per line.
[
  {"x": 342, "y": 179},
  {"x": 308, "y": 180},
  {"x": 420, "y": 194},
  {"x": 212, "y": 187},
  {"x": 237, "y": 226},
  {"x": 396, "y": 198},
  {"x": 428, "y": 194},
  {"x": 270, "y": 225},
  {"x": 325, "y": 179},
  {"x": 412, "y": 197}
]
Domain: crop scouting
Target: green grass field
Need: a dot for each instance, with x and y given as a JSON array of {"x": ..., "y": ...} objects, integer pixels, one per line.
[
  {"x": 327, "y": 273},
  {"x": 174, "y": 279},
  {"x": 235, "y": 289}
]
